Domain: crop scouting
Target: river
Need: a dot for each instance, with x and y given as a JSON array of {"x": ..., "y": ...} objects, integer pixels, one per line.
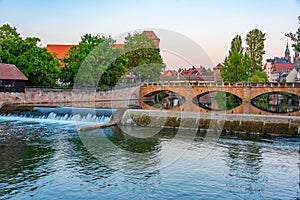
[{"x": 42, "y": 156}]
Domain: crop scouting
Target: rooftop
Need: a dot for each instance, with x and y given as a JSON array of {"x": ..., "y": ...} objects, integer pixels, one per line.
[
  {"x": 151, "y": 35},
  {"x": 11, "y": 72},
  {"x": 60, "y": 50}
]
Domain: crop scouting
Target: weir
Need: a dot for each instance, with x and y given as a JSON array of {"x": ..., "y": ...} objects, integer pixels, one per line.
[{"x": 56, "y": 114}]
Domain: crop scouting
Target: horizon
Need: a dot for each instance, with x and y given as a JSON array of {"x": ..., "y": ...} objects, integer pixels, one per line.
[{"x": 209, "y": 24}]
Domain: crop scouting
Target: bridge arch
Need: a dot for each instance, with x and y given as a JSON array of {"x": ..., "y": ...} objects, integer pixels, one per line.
[{"x": 245, "y": 91}]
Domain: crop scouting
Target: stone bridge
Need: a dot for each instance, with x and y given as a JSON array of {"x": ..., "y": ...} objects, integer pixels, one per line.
[{"x": 245, "y": 91}]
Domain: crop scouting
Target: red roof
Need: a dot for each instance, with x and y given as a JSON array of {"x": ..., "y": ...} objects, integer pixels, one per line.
[
  {"x": 169, "y": 72},
  {"x": 120, "y": 46},
  {"x": 59, "y": 49},
  {"x": 281, "y": 67},
  {"x": 219, "y": 66},
  {"x": 11, "y": 72}
]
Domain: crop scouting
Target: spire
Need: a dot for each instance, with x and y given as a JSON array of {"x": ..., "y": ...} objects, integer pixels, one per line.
[{"x": 287, "y": 50}]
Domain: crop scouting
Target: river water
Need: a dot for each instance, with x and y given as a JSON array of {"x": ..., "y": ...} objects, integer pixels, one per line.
[{"x": 42, "y": 156}]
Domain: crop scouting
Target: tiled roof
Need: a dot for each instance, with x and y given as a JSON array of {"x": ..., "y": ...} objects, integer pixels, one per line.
[
  {"x": 120, "y": 46},
  {"x": 169, "y": 72},
  {"x": 11, "y": 72},
  {"x": 59, "y": 49},
  {"x": 281, "y": 67},
  {"x": 219, "y": 66}
]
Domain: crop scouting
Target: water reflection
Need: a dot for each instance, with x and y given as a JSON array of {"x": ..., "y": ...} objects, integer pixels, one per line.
[
  {"x": 123, "y": 152},
  {"x": 58, "y": 163},
  {"x": 164, "y": 99},
  {"x": 217, "y": 100},
  {"x": 277, "y": 102}
]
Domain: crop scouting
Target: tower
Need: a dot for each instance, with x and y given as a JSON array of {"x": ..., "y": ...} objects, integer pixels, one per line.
[
  {"x": 152, "y": 36},
  {"x": 287, "y": 53}
]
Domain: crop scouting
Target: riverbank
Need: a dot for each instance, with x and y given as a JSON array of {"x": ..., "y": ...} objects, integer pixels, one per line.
[{"x": 229, "y": 123}]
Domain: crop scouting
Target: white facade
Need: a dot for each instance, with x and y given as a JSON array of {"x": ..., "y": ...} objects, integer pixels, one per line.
[{"x": 268, "y": 69}]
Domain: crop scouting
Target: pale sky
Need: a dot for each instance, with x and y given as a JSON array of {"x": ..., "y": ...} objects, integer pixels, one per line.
[{"x": 211, "y": 24}]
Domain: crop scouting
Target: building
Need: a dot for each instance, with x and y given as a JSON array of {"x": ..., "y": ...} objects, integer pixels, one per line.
[
  {"x": 277, "y": 69},
  {"x": 190, "y": 74},
  {"x": 287, "y": 53},
  {"x": 217, "y": 72},
  {"x": 61, "y": 50},
  {"x": 153, "y": 37},
  {"x": 11, "y": 78},
  {"x": 268, "y": 69}
]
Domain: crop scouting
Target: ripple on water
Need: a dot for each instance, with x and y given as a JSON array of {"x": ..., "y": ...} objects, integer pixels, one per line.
[{"x": 51, "y": 162}]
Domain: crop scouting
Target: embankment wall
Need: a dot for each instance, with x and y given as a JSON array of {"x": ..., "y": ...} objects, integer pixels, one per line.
[
  {"x": 125, "y": 96},
  {"x": 254, "y": 124}
]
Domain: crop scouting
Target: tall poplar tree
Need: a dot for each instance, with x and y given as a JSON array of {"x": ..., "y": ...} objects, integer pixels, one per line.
[
  {"x": 255, "y": 50},
  {"x": 245, "y": 66},
  {"x": 237, "y": 63}
]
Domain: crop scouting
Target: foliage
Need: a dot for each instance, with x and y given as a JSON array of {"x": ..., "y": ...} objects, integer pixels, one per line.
[
  {"x": 295, "y": 37},
  {"x": 236, "y": 44},
  {"x": 258, "y": 76},
  {"x": 98, "y": 63},
  {"x": 255, "y": 41},
  {"x": 235, "y": 67},
  {"x": 237, "y": 63},
  {"x": 140, "y": 57},
  {"x": 245, "y": 66},
  {"x": 210, "y": 72},
  {"x": 77, "y": 55},
  {"x": 141, "y": 50},
  {"x": 226, "y": 101},
  {"x": 38, "y": 65}
]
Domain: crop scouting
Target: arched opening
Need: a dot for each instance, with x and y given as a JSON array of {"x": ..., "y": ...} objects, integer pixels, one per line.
[
  {"x": 163, "y": 99},
  {"x": 217, "y": 101},
  {"x": 277, "y": 102}
]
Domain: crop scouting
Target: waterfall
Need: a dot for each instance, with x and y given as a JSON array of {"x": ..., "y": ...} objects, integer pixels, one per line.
[{"x": 60, "y": 115}]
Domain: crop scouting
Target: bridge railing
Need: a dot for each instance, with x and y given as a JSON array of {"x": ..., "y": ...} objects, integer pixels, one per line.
[{"x": 221, "y": 84}]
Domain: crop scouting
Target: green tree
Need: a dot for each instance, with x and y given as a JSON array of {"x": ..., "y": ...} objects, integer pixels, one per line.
[
  {"x": 140, "y": 56},
  {"x": 236, "y": 44},
  {"x": 108, "y": 64},
  {"x": 96, "y": 64},
  {"x": 245, "y": 66},
  {"x": 35, "y": 62},
  {"x": 77, "y": 54},
  {"x": 255, "y": 41},
  {"x": 258, "y": 76},
  {"x": 237, "y": 63},
  {"x": 295, "y": 37}
]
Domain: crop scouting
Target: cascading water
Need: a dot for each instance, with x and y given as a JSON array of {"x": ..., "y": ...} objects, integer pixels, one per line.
[{"x": 59, "y": 115}]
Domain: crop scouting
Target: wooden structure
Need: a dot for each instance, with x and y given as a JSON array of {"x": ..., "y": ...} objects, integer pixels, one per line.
[{"x": 11, "y": 78}]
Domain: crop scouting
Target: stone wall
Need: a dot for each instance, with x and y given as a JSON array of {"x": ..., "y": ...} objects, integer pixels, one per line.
[
  {"x": 126, "y": 96},
  {"x": 254, "y": 124},
  {"x": 246, "y": 93}
]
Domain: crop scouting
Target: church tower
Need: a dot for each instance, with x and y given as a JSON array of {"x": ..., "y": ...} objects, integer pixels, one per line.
[{"x": 287, "y": 53}]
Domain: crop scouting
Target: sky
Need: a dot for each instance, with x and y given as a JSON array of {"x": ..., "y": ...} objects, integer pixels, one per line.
[{"x": 209, "y": 24}]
